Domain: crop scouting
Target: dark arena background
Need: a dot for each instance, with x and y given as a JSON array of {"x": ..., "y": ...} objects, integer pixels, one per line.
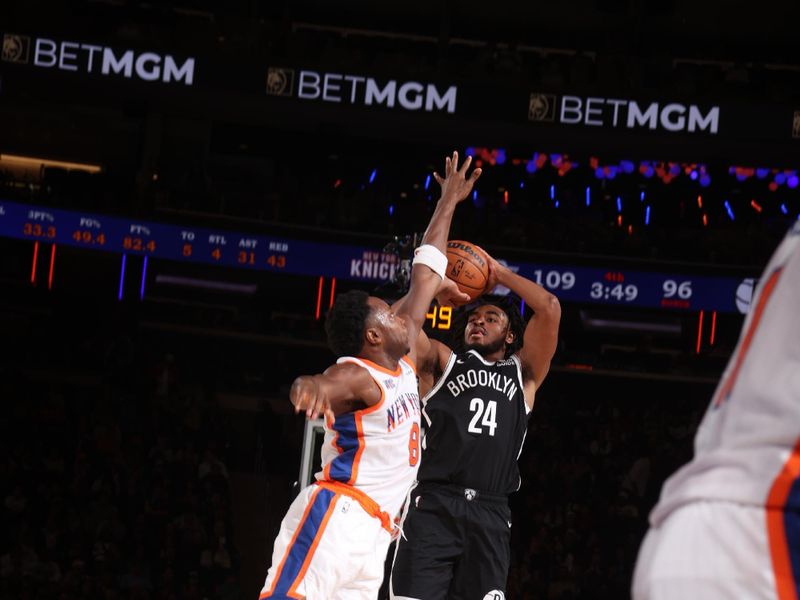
[{"x": 185, "y": 186}]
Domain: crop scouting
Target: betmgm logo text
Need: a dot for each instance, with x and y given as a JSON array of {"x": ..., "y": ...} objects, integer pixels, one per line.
[
  {"x": 342, "y": 88},
  {"x": 627, "y": 114},
  {"x": 90, "y": 58}
]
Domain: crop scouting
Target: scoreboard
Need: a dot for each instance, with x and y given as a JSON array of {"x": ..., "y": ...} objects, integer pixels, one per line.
[{"x": 611, "y": 284}]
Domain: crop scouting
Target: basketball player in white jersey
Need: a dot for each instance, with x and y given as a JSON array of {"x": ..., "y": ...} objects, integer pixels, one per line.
[
  {"x": 333, "y": 541},
  {"x": 727, "y": 525}
]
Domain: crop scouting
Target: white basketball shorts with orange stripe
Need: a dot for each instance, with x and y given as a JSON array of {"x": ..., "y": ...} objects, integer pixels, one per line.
[
  {"x": 329, "y": 547},
  {"x": 715, "y": 550}
]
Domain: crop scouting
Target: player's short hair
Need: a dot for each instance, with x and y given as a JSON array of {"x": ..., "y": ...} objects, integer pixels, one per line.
[
  {"x": 508, "y": 305},
  {"x": 346, "y": 323}
]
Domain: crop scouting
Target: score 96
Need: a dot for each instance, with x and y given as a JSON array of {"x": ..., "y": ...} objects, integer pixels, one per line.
[
  {"x": 441, "y": 317},
  {"x": 672, "y": 288}
]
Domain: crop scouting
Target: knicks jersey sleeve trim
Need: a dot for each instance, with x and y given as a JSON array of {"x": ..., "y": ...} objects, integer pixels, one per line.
[
  {"x": 407, "y": 359},
  {"x": 359, "y": 415},
  {"x": 374, "y": 365},
  {"x": 785, "y": 563},
  {"x": 349, "y": 439},
  {"x": 335, "y": 443},
  {"x": 362, "y": 362}
]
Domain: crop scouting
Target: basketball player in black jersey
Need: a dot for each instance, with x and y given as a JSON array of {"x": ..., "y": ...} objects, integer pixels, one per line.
[{"x": 476, "y": 403}]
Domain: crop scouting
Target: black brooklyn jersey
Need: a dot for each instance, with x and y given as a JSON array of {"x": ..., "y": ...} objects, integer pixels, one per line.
[{"x": 475, "y": 419}]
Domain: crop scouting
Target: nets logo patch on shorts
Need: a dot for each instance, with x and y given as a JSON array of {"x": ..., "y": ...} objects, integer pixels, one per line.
[{"x": 495, "y": 595}]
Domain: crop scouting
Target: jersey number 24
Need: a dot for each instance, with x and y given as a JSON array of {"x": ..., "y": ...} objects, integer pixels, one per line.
[{"x": 485, "y": 415}]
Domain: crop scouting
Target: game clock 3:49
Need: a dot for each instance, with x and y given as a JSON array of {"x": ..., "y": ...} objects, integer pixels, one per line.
[{"x": 620, "y": 292}]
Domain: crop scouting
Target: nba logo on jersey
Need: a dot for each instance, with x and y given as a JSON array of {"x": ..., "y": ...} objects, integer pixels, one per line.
[{"x": 389, "y": 383}]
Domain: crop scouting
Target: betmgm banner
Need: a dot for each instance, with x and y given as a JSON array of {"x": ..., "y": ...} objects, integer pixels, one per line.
[
  {"x": 503, "y": 111},
  {"x": 622, "y": 113},
  {"x": 80, "y": 57},
  {"x": 516, "y": 114},
  {"x": 361, "y": 90}
]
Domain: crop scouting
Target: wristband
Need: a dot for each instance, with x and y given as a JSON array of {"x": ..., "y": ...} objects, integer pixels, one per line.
[{"x": 431, "y": 257}]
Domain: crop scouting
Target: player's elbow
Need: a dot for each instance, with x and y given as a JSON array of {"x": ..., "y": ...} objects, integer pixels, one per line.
[{"x": 551, "y": 309}]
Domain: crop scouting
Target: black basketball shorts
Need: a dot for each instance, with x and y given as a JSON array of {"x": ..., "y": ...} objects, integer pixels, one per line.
[{"x": 455, "y": 545}]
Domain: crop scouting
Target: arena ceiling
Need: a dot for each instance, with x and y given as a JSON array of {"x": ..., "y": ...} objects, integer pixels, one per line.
[{"x": 719, "y": 30}]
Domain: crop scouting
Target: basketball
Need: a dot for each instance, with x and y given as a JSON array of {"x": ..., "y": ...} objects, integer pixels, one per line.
[{"x": 468, "y": 266}]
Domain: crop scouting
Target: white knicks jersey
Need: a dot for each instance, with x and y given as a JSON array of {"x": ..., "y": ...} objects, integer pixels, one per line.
[
  {"x": 747, "y": 448},
  {"x": 376, "y": 450}
]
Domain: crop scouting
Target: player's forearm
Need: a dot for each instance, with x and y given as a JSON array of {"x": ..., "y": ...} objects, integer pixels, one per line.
[
  {"x": 535, "y": 296},
  {"x": 425, "y": 282},
  {"x": 335, "y": 390},
  {"x": 415, "y": 304}
]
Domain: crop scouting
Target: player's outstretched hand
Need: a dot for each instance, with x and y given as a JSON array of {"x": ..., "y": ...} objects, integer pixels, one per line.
[
  {"x": 455, "y": 184},
  {"x": 448, "y": 294},
  {"x": 306, "y": 395}
]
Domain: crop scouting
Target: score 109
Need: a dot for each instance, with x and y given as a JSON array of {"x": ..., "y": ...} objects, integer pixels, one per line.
[{"x": 554, "y": 280}]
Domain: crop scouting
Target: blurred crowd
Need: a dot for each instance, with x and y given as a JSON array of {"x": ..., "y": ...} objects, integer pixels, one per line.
[
  {"x": 595, "y": 457},
  {"x": 113, "y": 491}
]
